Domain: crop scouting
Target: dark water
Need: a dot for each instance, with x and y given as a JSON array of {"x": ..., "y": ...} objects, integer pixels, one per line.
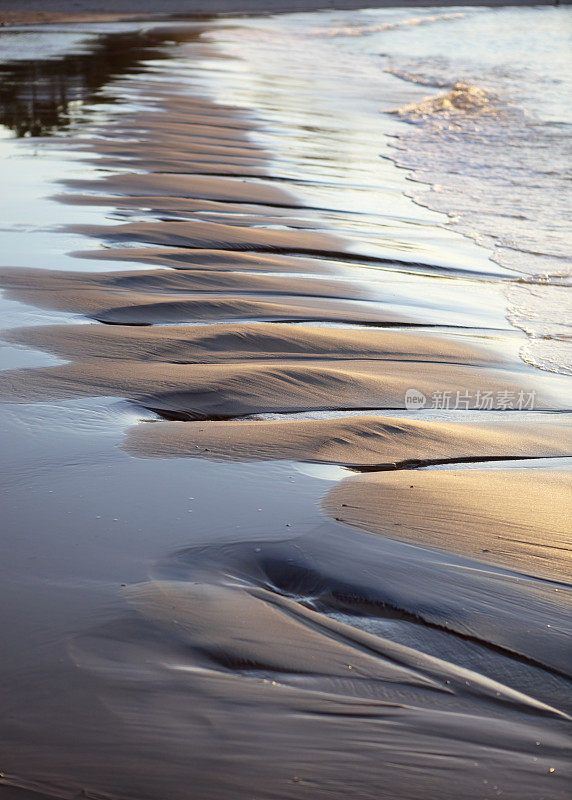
[{"x": 43, "y": 96}]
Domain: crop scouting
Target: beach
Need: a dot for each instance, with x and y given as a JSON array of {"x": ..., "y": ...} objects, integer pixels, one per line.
[
  {"x": 286, "y": 402},
  {"x": 40, "y": 11}
]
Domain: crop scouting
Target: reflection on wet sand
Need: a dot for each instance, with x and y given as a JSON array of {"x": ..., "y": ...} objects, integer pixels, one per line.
[
  {"x": 331, "y": 663},
  {"x": 223, "y": 642},
  {"x": 39, "y": 98}
]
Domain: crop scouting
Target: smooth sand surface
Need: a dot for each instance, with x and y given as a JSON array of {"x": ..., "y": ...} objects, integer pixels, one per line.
[
  {"x": 517, "y": 517},
  {"x": 257, "y": 628},
  {"x": 366, "y": 441}
]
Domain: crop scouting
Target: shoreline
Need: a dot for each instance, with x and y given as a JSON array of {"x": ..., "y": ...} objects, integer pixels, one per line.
[
  {"x": 233, "y": 547},
  {"x": 201, "y": 168},
  {"x": 33, "y": 12}
]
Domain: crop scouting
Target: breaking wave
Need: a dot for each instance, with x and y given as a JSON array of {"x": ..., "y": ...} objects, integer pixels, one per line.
[
  {"x": 461, "y": 99},
  {"x": 365, "y": 30}
]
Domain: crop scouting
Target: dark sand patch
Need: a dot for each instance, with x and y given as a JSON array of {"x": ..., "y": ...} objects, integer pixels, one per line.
[{"x": 515, "y": 518}]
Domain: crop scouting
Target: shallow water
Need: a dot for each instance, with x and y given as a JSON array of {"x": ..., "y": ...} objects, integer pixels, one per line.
[
  {"x": 498, "y": 168},
  {"x": 192, "y": 624}
]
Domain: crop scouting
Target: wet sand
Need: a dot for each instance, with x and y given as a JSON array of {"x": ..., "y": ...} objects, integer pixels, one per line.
[
  {"x": 410, "y": 639},
  {"x": 515, "y": 517}
]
